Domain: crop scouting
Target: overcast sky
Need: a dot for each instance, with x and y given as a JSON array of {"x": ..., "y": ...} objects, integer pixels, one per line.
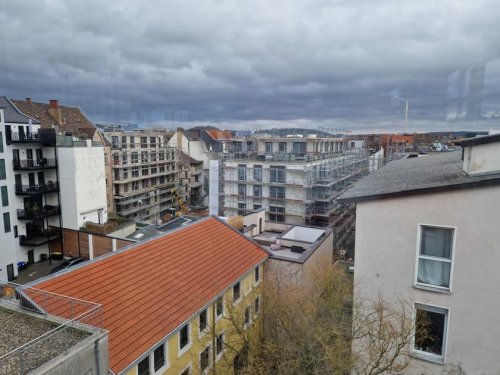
[{"x": 320, "y": 63}]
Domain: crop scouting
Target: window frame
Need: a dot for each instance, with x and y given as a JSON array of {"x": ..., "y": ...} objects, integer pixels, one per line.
[
  {"x": 221, "y": 315},
  {"x": 184, "y": 349},
  {"x": 426, "y": 356},
  {"x": 249, "y": 308},
  {"x": 218, "y": 356},
  {"x": 236, "y": 301},
  {"x": 146, "y": 359},
  {"x": 431, "y": 287},
  {"x": 210, "y": 364},
  {"x": 166, "y": 364},
  {"x": 202, "y": 332},
  {"x": 257, "y": 277},
  {"x": 257, "y": 306}
]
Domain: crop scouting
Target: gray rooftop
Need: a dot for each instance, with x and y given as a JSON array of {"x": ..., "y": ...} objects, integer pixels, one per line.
[
  {"x": 150, "y": 231},
  {"x": 432, "y": 173},
  {"x": 12, "y": 114}
]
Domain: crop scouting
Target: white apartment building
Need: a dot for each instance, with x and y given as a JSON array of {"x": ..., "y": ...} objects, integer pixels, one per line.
[
  {"x": 296, "y": 180},
  {"x": 146, "y": 172},
  {"x": 32, "y": 161},
  {"x": 427, "y": 231}
]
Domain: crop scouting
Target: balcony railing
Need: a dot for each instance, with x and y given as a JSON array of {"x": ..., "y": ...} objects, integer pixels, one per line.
[
  {"x": 31, "y": 164},
  {"x": 49, "y": 187},
  {"x": 23, "y": 138},
  {"x": 37, "y": 213},
  {"x": 39, "y": 237}
]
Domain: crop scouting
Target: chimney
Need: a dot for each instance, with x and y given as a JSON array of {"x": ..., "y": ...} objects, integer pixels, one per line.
[
  {"x": 28, "y": 100},
  {"x": 55, "y": 111}
]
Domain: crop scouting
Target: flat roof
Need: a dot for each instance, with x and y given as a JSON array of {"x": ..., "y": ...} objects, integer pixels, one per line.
[
  {"x": 149, "y": 231},
  {"x": 480, "y": 140},
  {"x": 434, "y": 173},
  {"x": 303, "y": 234}
]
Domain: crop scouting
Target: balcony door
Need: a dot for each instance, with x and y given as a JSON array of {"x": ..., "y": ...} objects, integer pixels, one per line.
[
  {"x": 34, "y": 228},
  {"x": 39, "y": 156},
  {"x": 31, "y": 179},
  {"x": 29, "y": 157}
]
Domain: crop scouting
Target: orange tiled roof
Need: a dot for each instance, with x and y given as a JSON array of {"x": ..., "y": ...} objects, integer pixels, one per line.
[
  {"x": 219, "y": 134},
  {"x": 151, "y": 289}
]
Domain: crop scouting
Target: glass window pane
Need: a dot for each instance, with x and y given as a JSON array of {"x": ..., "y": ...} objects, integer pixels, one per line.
[
  {"x": 5, "y": 196},
  {"x": 2, "y": 169},
  {"x": 429, "y": 332},
  {"x": 434, "y": 272},
  {"x": 436, "y": 242}
]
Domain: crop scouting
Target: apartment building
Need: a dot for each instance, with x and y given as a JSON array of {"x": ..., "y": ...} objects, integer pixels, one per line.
[
  {"x": 32, "y": 161},
  {"x": 295, "y": 179},
  {"x": 169, "y": 302},
  {"x": 146, "y": 174},
  {"x": 427, "y": 232}
]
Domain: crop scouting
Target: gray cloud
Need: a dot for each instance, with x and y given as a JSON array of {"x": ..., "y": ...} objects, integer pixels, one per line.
[{"x": 252, "y": 63}]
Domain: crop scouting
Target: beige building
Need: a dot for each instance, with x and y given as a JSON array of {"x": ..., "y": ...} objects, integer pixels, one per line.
[
  {"x": 427, "y": 231},
  {"x": 146, "y": 172}
]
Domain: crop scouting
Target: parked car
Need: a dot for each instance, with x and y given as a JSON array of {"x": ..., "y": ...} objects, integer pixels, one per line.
[{"x": 68, "y": 263}]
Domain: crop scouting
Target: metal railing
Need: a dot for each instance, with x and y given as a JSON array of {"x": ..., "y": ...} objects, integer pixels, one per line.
[
  {"x": 65, "y": 322},
  {"x": 30, "y": 164},
  {"x": 23, "y": 137},
  {"x": 37, "y": 213},
  {"x": 49, "y": 187}
]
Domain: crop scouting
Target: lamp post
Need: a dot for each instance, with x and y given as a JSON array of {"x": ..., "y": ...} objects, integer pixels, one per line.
[{"x": 406, "y": 112}]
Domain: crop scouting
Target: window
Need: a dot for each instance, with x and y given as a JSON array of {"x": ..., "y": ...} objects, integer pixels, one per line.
[
  {"x": 242, "y": 207},
  {"x": 1, "y": 142},
  {"x": 257, "y": 173},
  {"x": 132, "y": 142},
  {"x": 159, "y": 357},
  {"x": 219, "y": 307},
  {"x": 144, "y": 142},
  {"x": 134, "y": 157},
  {"x": 145, "y": 171},
  {"x": 242, "y": 190},
  {"x": 186, "y": 371},
  {"x": 435, "y": 256},
  {"x": 143, "y": 367},
  {"x": 205, "y": 359},
  {"x": 184, "y": 337},
  {"x": 277, "y": 195},
  {"x": 5, "y": 196},
  {"x": 282, "y": 146},
  {"x": 203, "y": 320},
  {"x": 124, "y": 158},
  {"x": 277, "y": 174},
  {"x": 257, "y": 191},
  {"x": 247, "y": 316},
  {"x": 257, "y": 274},
  {"x": 219, "y": 344},
  {"x": 277, "y": 214},
  {"x": 236, "y": 292},
  {"x": 135, "y": 171},
  {"x": 144, "y": 157},
  {"x": 2, "y": 169},
  {"x": 257, "y": 305},
  {"x": 257, "y": 206},
  {"x": 6, "y": 222},
  {"x": 430, "y": 332},
  {"x": 269, "y": 147},
  {"x": 299, "y": 147},
  {"x": 124, "y": 141},
  {"x": 15, "y": 231},
  {"x": 242, "y": 172}
]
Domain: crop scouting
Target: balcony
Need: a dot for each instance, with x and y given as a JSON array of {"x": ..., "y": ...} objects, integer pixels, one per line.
[
  {"x": 46, "y": 137},
  {"x": 23, "y": 138},
  {"x": 39, "y": 237},
  {"x": 37, "y": 213},
  {"x": 49, "y": 187},
  {"x": 34, "y": 165}
]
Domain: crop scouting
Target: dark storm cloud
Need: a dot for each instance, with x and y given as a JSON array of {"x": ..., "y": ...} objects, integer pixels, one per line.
[{"x": 255, "y": 63}]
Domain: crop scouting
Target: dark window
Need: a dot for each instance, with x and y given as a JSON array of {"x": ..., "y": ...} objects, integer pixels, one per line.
[
  {"x": 277, "y": 214},
  {"x": 6, "y": 222},
  {"x": 5, "y": 196},
  {"x": 186, "y": 371},
  {"x": 242, "y": 190},
  {"x": 1, "y": 142},
  {"x": 2, "y": 169},
  {"x": 277, "y": 174},
  {"x": 269, "y": 147},
  {"x": 257, "y": 206},
  {"x": 143, "y": 367},
  {"x": 242, "y": 172},
  {"x": 15, "y": 231},
  {"x": 282, "y": 147},
  {"x": 247, "y": 315},
  {"x": 430, "y": 330},
  {"x": 205, "y": 359},
  {"x": 257, "y": 173},
  {"x": 257, "y": 305},
  {"x": 203, "y": 320},
  {"x": 219, "y": 307},
  {"x": 299, "y": 147},
  {"x": 159, "y": 357},
  {"x": 184, "y": 336},
  {"x": 257, "y": 274},
  {"x": 242, "y": 207},
  {"x": 236, "y": 291},
  {"x": 144, "y": 142},
  {"x": 132, "y": 142},
  {"x": 257, "y": 191},
  {"x": 219, "y": 344}
]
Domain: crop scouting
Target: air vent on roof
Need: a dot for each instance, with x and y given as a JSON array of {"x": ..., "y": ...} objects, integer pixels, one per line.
[{"x": 297, "y": 249}]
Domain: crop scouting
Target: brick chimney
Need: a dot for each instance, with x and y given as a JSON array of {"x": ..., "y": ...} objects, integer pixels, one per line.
[
  {"x": 28, "y": 100},
  {"x": 55, "y": 111}
]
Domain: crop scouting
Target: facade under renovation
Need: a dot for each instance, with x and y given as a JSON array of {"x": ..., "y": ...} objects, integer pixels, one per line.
[{"x": 295, "y": 179}]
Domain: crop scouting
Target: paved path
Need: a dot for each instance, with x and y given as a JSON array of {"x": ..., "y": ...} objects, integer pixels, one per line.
[{"x": 36, "y": 271}]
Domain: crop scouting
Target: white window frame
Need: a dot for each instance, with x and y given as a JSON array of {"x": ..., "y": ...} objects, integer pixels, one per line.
[
  {"x": 235, "y": 302},
  {"x": 142, "y": 359},
  {"x": 221, "y": 354},
  {"x": 182, "y": 351},
  {"x": 162, "y": 369},
  {"x": 188, "y": 367},
  {"x": 202, "y": 333},
  {"x": 257, "y": 282},
  {"x": 436, "y": 288},
  {"x": 210, "y": 363},
  {"x": 426, "y": 356},
  {"x": 250, "y": 308},
  {"x": 219, "y": 317}
]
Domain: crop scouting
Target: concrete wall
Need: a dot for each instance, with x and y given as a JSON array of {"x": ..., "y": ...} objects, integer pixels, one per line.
[
  {"x": 482, "y": 158},
  {"x": 83, "y": 185},
  {"x": 386, "y": 251}
]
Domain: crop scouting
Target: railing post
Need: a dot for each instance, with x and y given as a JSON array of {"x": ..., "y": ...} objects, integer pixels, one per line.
[{"x": 21, "y": 371}]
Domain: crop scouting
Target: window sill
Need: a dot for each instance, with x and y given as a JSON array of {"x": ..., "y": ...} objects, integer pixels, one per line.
[
  {"x": 430, "y": 288},
  {"x": 237, "y": 301},
  {"x": 428, "y": 357},
  {"x": 161, "y": 370},
  {"x": 184, "y": 350}
]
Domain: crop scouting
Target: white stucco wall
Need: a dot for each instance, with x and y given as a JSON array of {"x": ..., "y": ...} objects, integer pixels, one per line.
[
  {"x": 386, "y": 250},
  {"x": 482, "y": 158},
  {"x": 83, "y": 185}
]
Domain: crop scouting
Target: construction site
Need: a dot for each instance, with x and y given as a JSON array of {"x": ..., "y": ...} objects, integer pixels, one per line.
[{"x": 295, "y": 179}]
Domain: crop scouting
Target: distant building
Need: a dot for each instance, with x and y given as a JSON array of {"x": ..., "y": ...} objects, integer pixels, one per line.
[
  {"x": 427, "y": 231},
  {"x": 168, "y": 302}
]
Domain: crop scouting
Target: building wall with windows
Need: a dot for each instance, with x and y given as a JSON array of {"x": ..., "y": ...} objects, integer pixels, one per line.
[
  {"x": 168, "y": 357},
  {"x": 440, "y": 252}
]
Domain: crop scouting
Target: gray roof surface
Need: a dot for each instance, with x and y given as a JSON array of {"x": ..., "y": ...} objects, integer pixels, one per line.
[
  {"x": 12, "y": 114},
  {"x": 435, "y": 172},
  {"x": 150, "y": 231}
]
